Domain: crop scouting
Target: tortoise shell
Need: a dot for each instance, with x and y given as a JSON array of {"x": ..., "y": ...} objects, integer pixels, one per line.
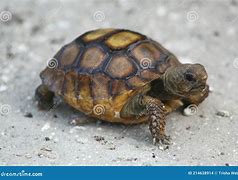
[{"x": 100, "y": 70}]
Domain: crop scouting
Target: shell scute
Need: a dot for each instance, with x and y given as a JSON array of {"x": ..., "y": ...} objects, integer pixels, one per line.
[
  {"x": 69, "y": 55},
  {"x": 96, "y": 34},
  {"x": 120, "y": 67},
  {"x": 122, "y": 39},
  {"x": 100, "y": 86},
  {"x": 92, "y": 58}
]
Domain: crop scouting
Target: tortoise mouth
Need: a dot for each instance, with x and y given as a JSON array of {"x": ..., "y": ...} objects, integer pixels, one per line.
[{"x": 200, "y": 88}]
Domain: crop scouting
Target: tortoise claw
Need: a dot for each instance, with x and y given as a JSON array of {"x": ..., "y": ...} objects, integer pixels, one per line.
[{"x": 162, "y": 140}]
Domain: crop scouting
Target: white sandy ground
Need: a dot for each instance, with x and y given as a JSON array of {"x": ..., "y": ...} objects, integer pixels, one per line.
[{"x": 203, "y": 31}]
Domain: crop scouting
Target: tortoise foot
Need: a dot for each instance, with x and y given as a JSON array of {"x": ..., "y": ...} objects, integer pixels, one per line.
[{"x": 44, "y": 97}]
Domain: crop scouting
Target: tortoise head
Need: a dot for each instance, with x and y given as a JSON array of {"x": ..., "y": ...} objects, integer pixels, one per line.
[{"x": 185, "y": 79}]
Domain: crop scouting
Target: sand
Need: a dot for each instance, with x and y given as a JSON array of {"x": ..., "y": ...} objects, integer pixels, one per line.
[{"x": 203, "y": 31}]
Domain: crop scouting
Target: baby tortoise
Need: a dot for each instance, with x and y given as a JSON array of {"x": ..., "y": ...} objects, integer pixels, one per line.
[{"x": 118, "y": 75}]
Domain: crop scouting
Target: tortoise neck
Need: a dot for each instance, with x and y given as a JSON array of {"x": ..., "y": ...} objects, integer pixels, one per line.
[
  {"x": 159, "y": 91},
  {"x": 170, "y": 86}
]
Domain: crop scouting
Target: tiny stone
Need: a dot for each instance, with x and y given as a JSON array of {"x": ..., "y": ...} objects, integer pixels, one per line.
[
  {"x": 47, "y": 138},
  {"x": 211, "y": 89},
  {"x": 153, "y": 155},
  {"x": 99, "y": 138},
  {"x": 161, "y": 148},
  {"x": 55, "y": 116},
  {"x": 40, "y": 155},
  {"x": 73, "y": 122},
  {"x": 222, "y": 153},
  {"x": 29, "y": 115},
  {"x": 46, "y": 149},
  {"x": 223, "y": 113},
  {"x": 201, "y": 116},
  {"x": 3, "y": 88},
  {"x": 216, "y": 33},
  {"x": 189, "y": 127},
  {"x": 28, "y": 156},
  {"x": 227, "y": 164}
]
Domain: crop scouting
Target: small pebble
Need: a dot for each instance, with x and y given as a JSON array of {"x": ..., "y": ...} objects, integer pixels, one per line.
[
  {"x": 3, "y": 88},
  {"x": 99, "y": 138},
  {"x": 188, "y": 127},
  {"x": 29, "y": 115},
  {"x": 46, "y": 149},
  {"x": 211, "y": 89},
  {"x": 223, "y": 113},
  {"x": 47, "y": 139},
  {"x": 216, "y": 33},
  {"x": 45, "y": 127},
  {"x": 201, "y": 116},
  {"x": 28, "y": 156},
  {"x": 40, "y": 155}
]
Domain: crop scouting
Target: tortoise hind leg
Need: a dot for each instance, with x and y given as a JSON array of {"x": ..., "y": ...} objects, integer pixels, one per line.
[{"x": 44, "y": 97}]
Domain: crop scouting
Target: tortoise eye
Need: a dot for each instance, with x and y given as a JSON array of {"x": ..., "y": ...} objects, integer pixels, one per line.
[{"x": 190, "y": 77}]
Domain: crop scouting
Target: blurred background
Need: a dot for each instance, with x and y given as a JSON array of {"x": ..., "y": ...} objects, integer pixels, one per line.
[{"x": 196, "y": 31}]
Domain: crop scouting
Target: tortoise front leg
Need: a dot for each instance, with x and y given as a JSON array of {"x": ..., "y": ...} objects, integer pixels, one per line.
[
  {"x": 154, "y": 109},
  {"x": 156, "y": 113}
]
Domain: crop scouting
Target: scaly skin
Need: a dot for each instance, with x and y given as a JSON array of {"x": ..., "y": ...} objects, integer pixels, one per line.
[
  {"x": 161, "y": 99},
  {"x": 156, "y": 112}
]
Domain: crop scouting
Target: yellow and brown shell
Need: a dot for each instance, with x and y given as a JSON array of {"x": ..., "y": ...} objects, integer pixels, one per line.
[{"x": 100, "y": 70}]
